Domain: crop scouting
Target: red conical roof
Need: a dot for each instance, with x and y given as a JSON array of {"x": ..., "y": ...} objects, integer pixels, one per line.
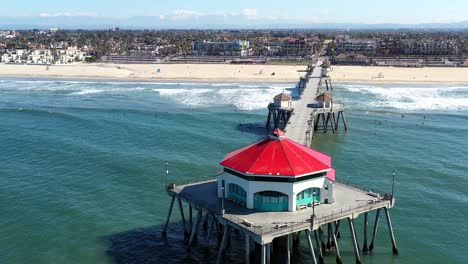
[{"x": 277, "y": 156}]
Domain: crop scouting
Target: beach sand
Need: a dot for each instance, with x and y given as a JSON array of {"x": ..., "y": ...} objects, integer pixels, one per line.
[
  {"x": 399, "y": 75},
  {"x": 148, "y": 72},
  {"x": 227, "y": 72}
]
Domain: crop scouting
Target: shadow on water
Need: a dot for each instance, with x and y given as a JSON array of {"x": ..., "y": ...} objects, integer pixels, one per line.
[
  {"x": 147, "y": 245},
  {"x": 257, "y": 128}
]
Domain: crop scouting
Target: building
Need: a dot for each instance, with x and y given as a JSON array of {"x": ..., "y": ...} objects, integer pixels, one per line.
[
  {"x": 289, "y": 47},
  {"x": 430, "y": 47},
  {"x": 366, "y": 46},
  {"x": 283, "y": 100},
  {"x": 69, "y": 55},
  {"x": 234, "y": 48},
  {"x": 41, "y": 56},
  {"x": 277, "y": 174},
  {"x": 351, "y": 59}
]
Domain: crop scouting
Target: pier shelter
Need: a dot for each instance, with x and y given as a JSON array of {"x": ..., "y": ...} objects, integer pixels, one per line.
[{"x": 276, "y": 174}]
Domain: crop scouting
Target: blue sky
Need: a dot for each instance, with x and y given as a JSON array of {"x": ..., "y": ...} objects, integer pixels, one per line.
[{"x": 313, "y": 11}]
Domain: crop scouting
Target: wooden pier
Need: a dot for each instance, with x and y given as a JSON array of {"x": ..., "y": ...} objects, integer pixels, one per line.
[
  {"x": 264, "y": 228},
  {"x": 306, "y": 116},
  {"x": 318, "y": 224}
]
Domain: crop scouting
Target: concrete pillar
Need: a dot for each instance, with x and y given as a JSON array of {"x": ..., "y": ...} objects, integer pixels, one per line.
[
  {"x": 181, "y": 208},
  {"x": 223, "y": 244},
  {"x": 195, "y": 228},
  {"x": 288, "y": 255},
  {"x": 335, "y": 242},
  {"x": 268, "y": 252},
  {"x": 263, "y": 254},
  {"x": 364, "y": 247},
  {"x": 247, "y": 248},
  {"x": 311, "y": 247},
  {"x": 352, "y": 229},
  {"x": 374, "y": 232},
  {"x": 320, "y": 250},
  {"x": 164, "y": 232},
  {"x": 390, "y": 230}
]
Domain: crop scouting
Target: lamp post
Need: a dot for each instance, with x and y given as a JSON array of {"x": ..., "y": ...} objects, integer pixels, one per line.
[
  {"x": 167, "y": 171},
  {"x": 313, "y": 205},
  {"x": 222, "y": 200}
]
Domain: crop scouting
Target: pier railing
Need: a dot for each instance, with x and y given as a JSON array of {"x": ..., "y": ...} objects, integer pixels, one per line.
[{"x": 381, "y": 199}]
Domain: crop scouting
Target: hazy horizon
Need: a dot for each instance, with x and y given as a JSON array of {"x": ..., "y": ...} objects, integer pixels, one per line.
[{"x": 150, "y": 14}]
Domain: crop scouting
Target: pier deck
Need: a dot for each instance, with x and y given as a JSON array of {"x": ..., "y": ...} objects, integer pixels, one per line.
[
  {"x": 350, "y": 202},
  {"x": 298, "y": 127}
]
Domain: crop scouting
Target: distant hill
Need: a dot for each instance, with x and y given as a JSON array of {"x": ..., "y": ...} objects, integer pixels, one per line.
[{"x": 205, "y": 22}]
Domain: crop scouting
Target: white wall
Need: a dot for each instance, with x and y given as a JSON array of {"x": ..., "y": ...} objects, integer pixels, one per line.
[{"x": 252, "y": 187}]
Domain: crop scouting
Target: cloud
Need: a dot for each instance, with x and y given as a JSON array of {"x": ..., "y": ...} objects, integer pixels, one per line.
[
  {"x": 250, "y": 13},
  {"x": 68, "y": 14},
  {"x": 186, "y": 14}
]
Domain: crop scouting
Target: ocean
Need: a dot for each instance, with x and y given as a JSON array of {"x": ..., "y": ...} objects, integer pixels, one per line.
[{"x": 82, "y": 165}]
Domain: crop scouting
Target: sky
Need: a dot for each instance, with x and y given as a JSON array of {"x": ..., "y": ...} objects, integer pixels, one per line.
[{"x": 260, "y": 11}]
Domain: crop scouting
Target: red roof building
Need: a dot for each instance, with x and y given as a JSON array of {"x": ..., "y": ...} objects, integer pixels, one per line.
[{"x": 277, "y": 174}]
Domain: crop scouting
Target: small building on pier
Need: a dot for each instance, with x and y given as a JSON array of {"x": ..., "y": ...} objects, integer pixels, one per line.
[
  {"x": 324, "y": 100},
  {"x": 277, "y": 174},
  {"x": 283, "y": 100}
]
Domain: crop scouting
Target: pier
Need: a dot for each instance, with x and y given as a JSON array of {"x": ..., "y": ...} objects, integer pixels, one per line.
[
  {"x": 306, "y": 115},
  {"x": 278, "y": 190}
]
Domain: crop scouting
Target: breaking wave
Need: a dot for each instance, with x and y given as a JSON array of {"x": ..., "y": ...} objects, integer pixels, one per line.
[{"x": 454, "y": 98}]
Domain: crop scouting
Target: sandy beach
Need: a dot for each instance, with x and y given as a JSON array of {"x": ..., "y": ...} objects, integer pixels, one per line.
[
  {"x": 149, "y": 72},
  {"x": 226, "y": 72}
]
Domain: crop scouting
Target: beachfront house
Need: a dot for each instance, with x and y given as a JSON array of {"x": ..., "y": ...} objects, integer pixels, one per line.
[{"x": 276, "y": 174}]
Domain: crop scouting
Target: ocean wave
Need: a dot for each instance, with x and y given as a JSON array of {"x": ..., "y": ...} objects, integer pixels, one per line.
[
  {"x": 411, "y": 98},
  {"x": 89, "y": 91},
  {"x": 242, "y": 98}
]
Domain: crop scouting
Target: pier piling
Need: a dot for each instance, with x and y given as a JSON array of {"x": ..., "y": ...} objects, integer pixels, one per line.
[
  {"x": 352, "y": 229},
  {"x": 374, "y": 232},
  {"x": 181, "y": 208},
  {"x": 164, "y": 232},
  {"x": 364, "y": 247},
  {"x": 311, "y": 247},
  {"x": 319, "y": 248},
  {"x": 335, "y": 242},
  {"x": 223, "y": 244},
  {"x": 390, "y": 230}
]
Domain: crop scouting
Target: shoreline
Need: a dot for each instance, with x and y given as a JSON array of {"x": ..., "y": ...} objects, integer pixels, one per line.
[{"x": 233, "y": 73}]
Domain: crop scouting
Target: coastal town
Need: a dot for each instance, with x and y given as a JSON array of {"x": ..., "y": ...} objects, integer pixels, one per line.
[{"x": 387, "y": 48}]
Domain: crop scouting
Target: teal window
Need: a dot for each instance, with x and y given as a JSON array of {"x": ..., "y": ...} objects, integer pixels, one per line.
[
  {"x": 271, "y": 201},
  {"x": 307, "y": 196},
  {"x": 237, "y": 194}
]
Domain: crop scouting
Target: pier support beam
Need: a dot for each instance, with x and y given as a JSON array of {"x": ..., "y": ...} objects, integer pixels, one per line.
[
  {"x": 223, "y": 244},
  {"x": 322, "y": 243},
  {"x": 364, "y": 247},
  {"x": 164, "y": 232},
  {"x": 210, "y": 230},
  {"x": 190, "y": 216},
  {"x": 329, "y": 239},
  {"x": 263, "y": 254},
  {"x": 352, "y": 229},
  {"x": 311, "y": 247},
  {"x": 337, "y": 229},
  {"x": 247, "y": 248},
  {"x": 181, "y": 208},
  {"x": 268, "y": 252},
  {"x": 193, "y": 234},
  {"x": 335, "y": 242},
  {"x": 289, "y": 243},
  {"x": 319, "y": 248},
  {"x": 374, "y": 232},
  {"x": 390, "y": 230}
]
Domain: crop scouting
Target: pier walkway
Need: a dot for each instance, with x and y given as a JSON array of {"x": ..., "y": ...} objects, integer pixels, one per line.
[{"x": 299, "y": 125}]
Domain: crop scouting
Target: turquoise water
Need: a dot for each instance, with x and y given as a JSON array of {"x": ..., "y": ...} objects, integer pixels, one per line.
[{"x": 82, "y": 165}]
